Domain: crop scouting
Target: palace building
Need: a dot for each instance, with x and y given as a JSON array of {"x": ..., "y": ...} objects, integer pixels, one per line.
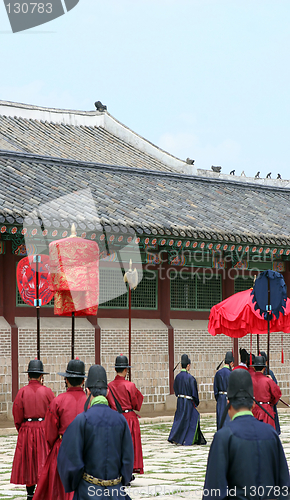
[{"x": 194, "y": 236}]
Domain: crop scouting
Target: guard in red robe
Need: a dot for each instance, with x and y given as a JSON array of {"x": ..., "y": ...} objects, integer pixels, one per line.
[
  {"x": 61, "y": 412},
  {"x": 124, "y": 397},
  {"x": 29, "y": 411},
  {"x": 266, "y": 392}
]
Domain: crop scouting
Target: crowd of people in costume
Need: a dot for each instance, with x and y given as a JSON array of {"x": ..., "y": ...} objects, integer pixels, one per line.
[
  {"x": 266, "y": 390},
  {"x": 88, "y": 443},
  {"x": 75, "y": 442}
]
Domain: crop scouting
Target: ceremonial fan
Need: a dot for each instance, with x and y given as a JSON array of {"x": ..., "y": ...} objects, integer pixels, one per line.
[{"x": 33, "y": 285}]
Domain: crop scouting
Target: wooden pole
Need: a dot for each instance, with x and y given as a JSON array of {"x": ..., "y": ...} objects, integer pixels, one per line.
[
  {"x": 129, "y": 331},
  {"x": 37, "y": 259},
  {"x": 72, "y": 335},
  {"x": 268, "y": 319}
]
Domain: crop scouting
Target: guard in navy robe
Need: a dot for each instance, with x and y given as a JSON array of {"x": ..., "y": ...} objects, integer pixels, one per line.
[
  {"x": 186, "y": 425},
  {"x": 220, "y": 387},
  {"x": 246, "y": 458},
  {"x": 96, "y": 455}
]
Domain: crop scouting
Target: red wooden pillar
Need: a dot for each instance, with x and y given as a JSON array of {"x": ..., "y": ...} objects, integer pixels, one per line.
[
  {"x": 164, "y": 305},
  {"x": 9, "y": 309},
  {"x": 228, "y": 290},
  {"x": 93, "y": 320}
]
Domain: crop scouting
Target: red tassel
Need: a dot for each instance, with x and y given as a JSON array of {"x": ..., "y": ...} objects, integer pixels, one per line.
[
  {"x": 282, "y": 352},
  {"x": 251, "y": 350}
]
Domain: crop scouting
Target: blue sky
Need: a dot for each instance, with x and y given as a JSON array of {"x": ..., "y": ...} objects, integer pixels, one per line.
[{"x": 205, "y": 79}]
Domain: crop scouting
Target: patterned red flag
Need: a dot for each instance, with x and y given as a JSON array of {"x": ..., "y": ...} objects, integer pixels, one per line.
[{"x": 26, "y": 280}]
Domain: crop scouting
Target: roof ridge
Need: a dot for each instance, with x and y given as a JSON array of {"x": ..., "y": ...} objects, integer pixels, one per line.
[
  {"x": 97, "y": 119},
  {"x": 139, "y": 171}
]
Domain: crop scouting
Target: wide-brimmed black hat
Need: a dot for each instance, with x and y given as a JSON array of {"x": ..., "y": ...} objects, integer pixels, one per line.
[
  {"x": 122, "y": 362},
  {"x": 229, "y": 358},
  {"x": 97, "y": 378},
  {"x": 185, "y": 360},
  {"x": 75, "y": 368},
  {"x": 259, "y": 361},
  {"x": 240, "y": 386},
  {"x": 36, "y": 366}
]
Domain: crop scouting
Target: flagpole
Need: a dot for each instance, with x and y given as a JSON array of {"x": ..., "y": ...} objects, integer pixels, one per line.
[
  {"x": 37, "y": 258},
  {"x": 129, "y": 333},
  {"x": 73, "y": 335},
  {"x": 130, "y": 277},
  {"x": 268, "y": 319}
]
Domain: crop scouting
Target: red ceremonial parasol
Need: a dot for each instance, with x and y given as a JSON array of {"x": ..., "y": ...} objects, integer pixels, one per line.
[
  {"x": 33, "y": 284},
  {"x": 74, "y": 271},
  {"x": 236, "y": 317}
]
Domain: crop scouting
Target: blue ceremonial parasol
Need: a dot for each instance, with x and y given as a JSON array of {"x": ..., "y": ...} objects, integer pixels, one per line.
[{"x": 270, "y": 296}]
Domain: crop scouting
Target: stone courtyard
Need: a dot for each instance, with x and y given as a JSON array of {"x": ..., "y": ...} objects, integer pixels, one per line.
[{"x": 170, "y": 471}]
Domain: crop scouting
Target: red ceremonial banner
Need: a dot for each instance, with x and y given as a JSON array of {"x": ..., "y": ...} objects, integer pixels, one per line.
[
  {"x": 74, "y": 273},
  {"x": 26, "y": 280}
]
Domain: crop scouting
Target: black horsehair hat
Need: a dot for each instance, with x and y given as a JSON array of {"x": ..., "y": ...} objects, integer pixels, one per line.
[
  {"x": 240, "y": 386},
  {"x": 75, "y": 368},
  {"x": 97, "y": 378},
  {"x": 264, "y": 355},
  {"x": 185, "y": 360},
  {"x": 122, "y": 362},
  {"x": 229, "y": 358},
  {"x": 243, "y": 355},
  {"x": 36, "y": 366}
]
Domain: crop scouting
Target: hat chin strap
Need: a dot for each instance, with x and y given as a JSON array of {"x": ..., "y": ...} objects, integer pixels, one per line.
[
  {"x": 87, "y": 402},
  {"x": 224, "y": 416}
]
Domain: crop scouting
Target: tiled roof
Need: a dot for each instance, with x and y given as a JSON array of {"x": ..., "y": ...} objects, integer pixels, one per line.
[
  {"x": 80, "y": 135},
  {"x": 75, "y": 142},
  {"x": 150, "y": 202},
  {"x": 6, "y": 145}
]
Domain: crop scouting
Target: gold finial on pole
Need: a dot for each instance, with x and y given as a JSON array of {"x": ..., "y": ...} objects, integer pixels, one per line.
[{"x": 73, "y": 231}]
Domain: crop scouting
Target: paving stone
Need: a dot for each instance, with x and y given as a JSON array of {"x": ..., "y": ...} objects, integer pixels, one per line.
[{"x": 171, "y": 472}]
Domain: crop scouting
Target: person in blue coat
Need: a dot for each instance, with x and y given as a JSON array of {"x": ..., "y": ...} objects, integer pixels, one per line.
[
  {"x": 186, "y": 427},
  {"x": 246, "y": 460},
  {"x": 220, "y": 387},
  {"x": 96, "y": 455},
  {"x": 270, "y": 372}
]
